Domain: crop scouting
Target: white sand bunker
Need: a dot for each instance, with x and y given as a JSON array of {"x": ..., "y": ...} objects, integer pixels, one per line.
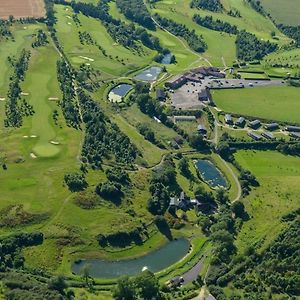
[
  {"x": 24, "y": 94},
  {"x": 2, "y": 99},
  {"x": 25, "y": 136},
  {"x": 87, "y": 58},
  {"x": 53, "y": 98},
  {"x": 69, "y": 17},
  {"x": 32, "y": 155},
  {"x": 25, "y": 27},
  {"x": 69, "y": 23},
  {"x": 54, "y": 143},
  {"x": 33, "y": 136}
]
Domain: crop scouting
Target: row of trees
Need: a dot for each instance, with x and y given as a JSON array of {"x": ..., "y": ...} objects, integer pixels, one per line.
[
  {"x": 136, "y": 11},
  {"x": 5, "y": 30},
  {"x": 216, "y": 25},
  {"x": 14, "y": 110},
  {"x": 68, "y": 103},
  {"x": 195, "y": 42},
  {"x": 250, "y": 48}
]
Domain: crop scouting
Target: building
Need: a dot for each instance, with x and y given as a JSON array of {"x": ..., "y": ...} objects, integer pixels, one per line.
[
  {"x": 293, "y": 128},
  {"x": 184, "y": 119},
  {"x": 268, "y": 135},
  {"x": 254, "y": 124},
  {"x": 228, "y": 119},
  {"x": 205, "y": 95},
  {"x": 176, "y": 82},
  {"x": 240, "y": 122},
  {"x": 295, "y": 135},
  {"x": 271, "y": 126},
  {"x": 201, "y": 129},
  {"x": 160, "y": 95},
  {"x": 254, "y": 135}
]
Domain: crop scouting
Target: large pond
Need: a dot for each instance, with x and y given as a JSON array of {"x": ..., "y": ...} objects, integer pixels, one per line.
[
  {"x": 118, "y": 92},
  {"x": 210, "y": 173},
  {"x": 155, "y": 261},
  {"x": 150, "y": 74}
]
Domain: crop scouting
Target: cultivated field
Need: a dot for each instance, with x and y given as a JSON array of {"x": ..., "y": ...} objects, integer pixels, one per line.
[
  {"x": 271, "y": 103},
  {"x": 22, "y": 8},
  {"x": 286, "y": 12}
]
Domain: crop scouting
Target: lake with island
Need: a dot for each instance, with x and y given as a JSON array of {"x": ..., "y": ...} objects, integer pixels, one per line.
[
  {"x": 210, "y": 173},
  {"x": 154, "y": 261}
]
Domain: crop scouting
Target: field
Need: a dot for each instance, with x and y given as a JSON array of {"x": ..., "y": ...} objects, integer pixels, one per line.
[
  {"x": 286, "y": 12},
  {"x": 270, "y": 103},
  {"x": 22, "y": 8},
  {"x": 277, "y": 195}
]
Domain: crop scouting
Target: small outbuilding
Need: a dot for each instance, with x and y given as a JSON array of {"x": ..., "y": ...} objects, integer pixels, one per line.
[
  {"x": 254, "y": 136},
  {"x": 160, "y": 95},
  {"x": 293, "y": 128},
  {"x": 228, "y": 119},
  {"x": 240, "y": 122},
  {"x": 272, "y": 126},
  {"x": 268, "y": 135},
  {"x": 254, "y": 124}
]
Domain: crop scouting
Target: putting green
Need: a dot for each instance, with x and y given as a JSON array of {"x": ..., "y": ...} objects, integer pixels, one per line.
[{"x": 43, "y": 150}]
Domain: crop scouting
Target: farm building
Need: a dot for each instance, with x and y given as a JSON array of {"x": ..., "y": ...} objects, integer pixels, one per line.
[
  {"x": 268, "y": 135},
  {"x": 254, "y": 124},
  {"x": 228, "y": 119},
  {"x": 293, "y": 128},
  {"x": 176, "y": 82},
  {"x": 160, "y": 95},
  {"x": 254, "y": 136},
  {"x": 184, "y": 119},
  {"x": 205, "y": 95},
  {"x": 201, "y": 129},
  {"x": 240, "y": 122},
  {"x": 271, "y": 126}
]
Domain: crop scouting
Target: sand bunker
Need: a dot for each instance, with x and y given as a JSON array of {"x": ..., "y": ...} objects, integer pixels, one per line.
[
  {"x": 33, "y": 136},
  {"x": 25, "y": 136},
  {"x": 87, "y": 58},
  {"x": 69, "y": 23},
  {"x": 53, "y": 98},
  {"x": 32, "y": 155},
  {"x": 24, "y": 94},
  {"x": 54, "y": 143}
]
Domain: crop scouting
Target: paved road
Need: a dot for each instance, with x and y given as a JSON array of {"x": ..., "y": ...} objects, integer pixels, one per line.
[{"x": 193, "y": 273}]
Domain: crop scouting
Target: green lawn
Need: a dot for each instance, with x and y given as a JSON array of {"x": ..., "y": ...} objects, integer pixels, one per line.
[
  {"x": 277, "y": 195},
  {"x": 271, "y": 103},
  {"x": 286, "y": 12}
]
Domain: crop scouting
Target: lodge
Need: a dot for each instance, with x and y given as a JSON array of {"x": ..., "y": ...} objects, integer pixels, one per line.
[
  {"x": 228, "y": 119},
  {"x": 293, "y": 128},
  {"x": 176, "y": 82},
  {"x": 240, "y": 122},
  {"x": 254, "y": 124},
  {"x": 254, "y": 136},
  {"x": 268, "y": 135},
  {"x": 271, "y": 126}
]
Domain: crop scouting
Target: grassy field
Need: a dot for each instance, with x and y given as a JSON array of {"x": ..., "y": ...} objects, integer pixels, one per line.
[
  {"x": 110, "y": 65},
  {"x": 277, "y": 195},
  {"x": 286, "y": 12},
  {"x": 272, "y": 103}
]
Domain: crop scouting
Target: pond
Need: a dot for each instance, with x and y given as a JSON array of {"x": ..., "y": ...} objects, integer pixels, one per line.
[
  {"x": 155, "y": 261},
  {"x": 210, "y": 173},
  {"x": 150, "y": 74},
  {"x": 166, "y": 60},
  {"x": 118, "y": 92}
]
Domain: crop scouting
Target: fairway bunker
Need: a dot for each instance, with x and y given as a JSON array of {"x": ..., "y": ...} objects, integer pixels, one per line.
[
  {"x": 54, "y": 143},
  {"x": 53, "y": 99},
  {"x": 87, "y": 58},
  {"x": 32, "y": 155},
  {"x": 2, "y": 99}
]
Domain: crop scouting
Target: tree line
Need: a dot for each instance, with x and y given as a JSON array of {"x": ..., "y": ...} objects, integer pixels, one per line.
[
  {"x": 211, "y": 5},
  {"x": 13, "y": 109}
]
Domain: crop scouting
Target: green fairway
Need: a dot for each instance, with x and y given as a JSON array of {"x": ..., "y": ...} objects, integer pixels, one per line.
[
  {"x": 271, "y": 103},
  {"x": 119, "y": 60},
  {"x": 277, "y": 195},
  {"x": 286, "y": 12}
]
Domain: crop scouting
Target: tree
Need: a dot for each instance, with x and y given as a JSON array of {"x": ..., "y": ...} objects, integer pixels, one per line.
[
  {"x": 147, "y": 286},
  {"x": 238, "y": 208},
  {"x": 76, "y": 182},
  {"x": 125, "y": 289},
  {"x": 184, "y": 167},
  {"x": 58, "y": 283}
]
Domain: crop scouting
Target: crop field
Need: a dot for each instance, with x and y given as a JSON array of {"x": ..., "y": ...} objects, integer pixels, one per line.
[
  {"x": 286, "y": 12},
  {"x": 22, "y": 8},
  {"x": 118, "y": 61},
  {"x": 277, "y": 195},
  {"x": 271, "y": 103}
]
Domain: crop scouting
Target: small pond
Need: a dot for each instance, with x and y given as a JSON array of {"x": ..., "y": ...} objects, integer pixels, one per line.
[
  {"x": 118, "y": 92},
  {"x": 155, "y": 261},
  {"x": 166, "y": 60},
  {"x": 210, "y": 173},
  {"x": 150, "y": 74}
]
